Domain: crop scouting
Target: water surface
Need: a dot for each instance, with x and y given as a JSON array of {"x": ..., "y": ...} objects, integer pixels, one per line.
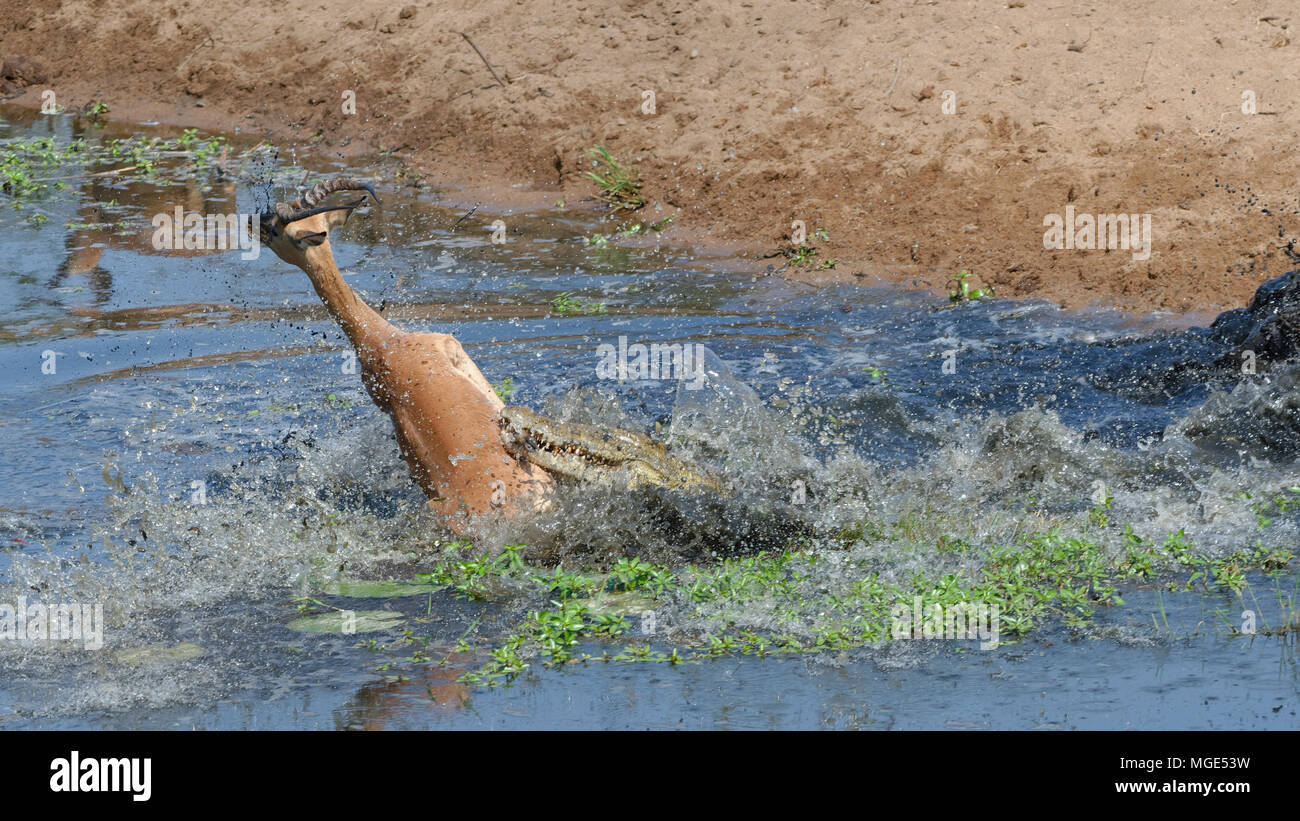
[{"x": 202, "y": 453}]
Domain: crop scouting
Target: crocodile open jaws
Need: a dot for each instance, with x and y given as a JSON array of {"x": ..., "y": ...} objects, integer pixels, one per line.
[{"x": 602, "y": 457}]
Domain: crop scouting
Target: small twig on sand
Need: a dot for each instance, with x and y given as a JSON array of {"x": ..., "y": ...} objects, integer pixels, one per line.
[
  {"x": 484, "y": 59},
  {"x": 206, "y": 41},
  {"x": 898, "y": 63},
  {"x": 468, "y": 214}
]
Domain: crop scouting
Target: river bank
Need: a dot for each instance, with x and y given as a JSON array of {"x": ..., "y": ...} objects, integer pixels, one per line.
[{"x": 923, "y": 140}]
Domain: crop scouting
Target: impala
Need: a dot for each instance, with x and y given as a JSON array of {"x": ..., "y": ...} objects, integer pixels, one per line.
[{"x": 444, "y": 411}]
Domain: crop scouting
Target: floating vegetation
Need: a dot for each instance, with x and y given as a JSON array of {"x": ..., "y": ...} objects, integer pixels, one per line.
[
  {"x": 844, "y": 594},
  {"x": 620, "y": 604},
  {"x": 568, "y": 304},
  {"x": 37, "y": 167},
  {"x": 360, "y": 589},
  {"x": 159, "y": 654},
  {"x": 347, "y": 622},
  {"x": 636, "y": 229},
  {"x": 505, "y": 388}
]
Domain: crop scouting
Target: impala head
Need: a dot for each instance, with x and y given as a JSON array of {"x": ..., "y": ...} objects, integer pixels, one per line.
[{"x": 294, "y": 230}]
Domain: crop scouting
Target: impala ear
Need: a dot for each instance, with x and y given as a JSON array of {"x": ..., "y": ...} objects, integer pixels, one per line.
[
  {"x": 333, "y": 219},
  {"x": 340, "y": 217}
]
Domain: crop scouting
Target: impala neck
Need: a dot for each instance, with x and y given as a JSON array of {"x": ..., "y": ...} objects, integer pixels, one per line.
[{"x": 363, "y": 325}]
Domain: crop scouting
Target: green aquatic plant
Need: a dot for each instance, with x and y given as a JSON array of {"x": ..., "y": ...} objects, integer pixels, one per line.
[
  {"x": 505, "y": 389},
  {"x": 636, "y": 574},
  {"x": 188, "y": 138},
  {"x": 511, "y": 561},
  {"x": 619, "y": 186},
  {"x": 377, "y": 589},
  {"x": 602, "y": 241},
  {"x": 567, "y": 304},
  {"x": 1039, "y": 577},
  {"x": 804, "y": 252},
  {"x": 557, "y": 630},
  {"x": 41, "y": 166},
  {"x": 347, "y": 622},
  {"x": 563, "y": 584},
  {"x": 158, "y": 654},
  {"x": 24, "y": 162},
  {"x": 473, "y": 577},
  {"x": 1288, "y": 604},
  {"x": 961, "y": 291},
  {"x": 827, "y": 594},
  {"x": 1277, "y": 505},
  {"x": 1099, "y": 516}
]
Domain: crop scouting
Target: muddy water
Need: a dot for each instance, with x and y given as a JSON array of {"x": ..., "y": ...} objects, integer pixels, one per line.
[{"x": 201, "y": 454}]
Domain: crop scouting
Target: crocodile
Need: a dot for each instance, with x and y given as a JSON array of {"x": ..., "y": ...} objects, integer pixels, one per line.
[{"x": 611, "y": 457}]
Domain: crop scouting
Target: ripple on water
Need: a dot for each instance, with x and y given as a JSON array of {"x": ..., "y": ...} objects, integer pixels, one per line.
[{"x": 254, "y": 470}]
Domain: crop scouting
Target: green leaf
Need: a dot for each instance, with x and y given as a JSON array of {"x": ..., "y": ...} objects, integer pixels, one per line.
[
  {"x": 347, "y": 622},
  {"x": 378, "y": 589},
  {"x": 159, "y": 654}
]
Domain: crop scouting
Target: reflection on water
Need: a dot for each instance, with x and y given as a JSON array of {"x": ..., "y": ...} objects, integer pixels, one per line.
[{"x": 218, "y": 392}]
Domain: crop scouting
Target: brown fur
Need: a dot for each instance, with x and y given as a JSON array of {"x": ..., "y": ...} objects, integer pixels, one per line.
[{"x": 443, "y": 409}]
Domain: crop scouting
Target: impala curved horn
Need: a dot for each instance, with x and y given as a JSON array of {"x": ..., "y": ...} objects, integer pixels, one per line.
[
  {"x": 281, "y": 214},
  {"x": 323, "y": 189}
]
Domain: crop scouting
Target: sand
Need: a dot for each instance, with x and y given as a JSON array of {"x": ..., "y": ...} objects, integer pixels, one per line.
[{"x": 923, "y": 137}]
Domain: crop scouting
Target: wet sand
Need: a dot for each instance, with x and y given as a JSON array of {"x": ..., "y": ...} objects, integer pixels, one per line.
[{"x": 924, "y": 139}]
